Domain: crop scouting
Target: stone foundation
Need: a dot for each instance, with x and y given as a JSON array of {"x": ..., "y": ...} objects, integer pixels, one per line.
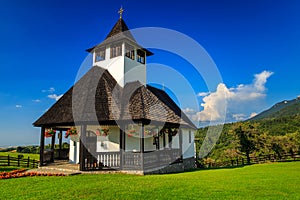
[
  {"x": 189, "y": 163},
  {"x": 186, "y": 164}
]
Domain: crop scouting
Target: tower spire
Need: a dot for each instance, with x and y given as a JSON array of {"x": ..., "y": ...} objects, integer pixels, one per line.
[{"x": 121, "y": 12}]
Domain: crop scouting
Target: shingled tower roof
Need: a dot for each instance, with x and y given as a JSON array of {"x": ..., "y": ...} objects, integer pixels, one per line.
[
  {"x": 118, "y": 28},
  {"x": 120, "y": 31}
]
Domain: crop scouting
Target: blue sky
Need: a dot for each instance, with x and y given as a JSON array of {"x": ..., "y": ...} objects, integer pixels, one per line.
[{"x": 43, "y": 45}]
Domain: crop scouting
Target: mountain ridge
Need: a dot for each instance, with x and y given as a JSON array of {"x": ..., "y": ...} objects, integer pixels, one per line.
[{"x": 284, "y": 108}]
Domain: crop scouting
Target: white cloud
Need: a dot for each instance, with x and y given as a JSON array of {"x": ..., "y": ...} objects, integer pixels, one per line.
[
  {"x": 253, "y": 114},
  {"x": 19, "y": 106},
  {"x": 36, "y": 100},
  {"x": 54, "y": 96},
  {"x": 191, "y": 113},
  {"x": 239, "y": 100},
  {"x": 50, "y": 90},
  {"x": 188, "y": 110},
  {"x": 239, "y": 117},
  {"x": 203, "y": 94}
]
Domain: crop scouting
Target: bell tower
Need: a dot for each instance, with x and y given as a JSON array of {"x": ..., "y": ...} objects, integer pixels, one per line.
[{"x": 121, "y": 55}]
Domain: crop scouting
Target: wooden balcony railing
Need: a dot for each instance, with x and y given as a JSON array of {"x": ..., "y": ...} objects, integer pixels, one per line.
[{"x": 131, "y": 160}]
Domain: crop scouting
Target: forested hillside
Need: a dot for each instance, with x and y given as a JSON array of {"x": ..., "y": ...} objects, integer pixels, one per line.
[{"x": 276, "y": 131}]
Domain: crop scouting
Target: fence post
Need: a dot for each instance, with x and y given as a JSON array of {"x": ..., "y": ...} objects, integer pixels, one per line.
[
  {"x": 28, "y": 161},
  {"x": 8, "y": 161},
  {"x": 18, "y": 160},
  {"x": 33, "y": 163}
]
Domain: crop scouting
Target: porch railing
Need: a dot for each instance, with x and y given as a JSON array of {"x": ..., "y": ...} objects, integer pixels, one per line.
[
  {"x": 132, "y": 160},
  {"x": 102, "y": 160},
  {"x": 161, "y": 158}
]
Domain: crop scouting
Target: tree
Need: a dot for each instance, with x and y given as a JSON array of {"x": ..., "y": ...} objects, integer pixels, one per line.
[{"x": 246, "y": 134}]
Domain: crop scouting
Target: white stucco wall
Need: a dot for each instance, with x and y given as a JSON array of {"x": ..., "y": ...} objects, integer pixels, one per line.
[
  {"x": 108, "y": 143},
  {"x": 123, "y": 69},
  {"x": 134, "y": 71},
  {"x": 188, "y": 149},
  {"x": 74, "y": 152},
  {"x": 132, "y": 143},
  {"x": 115, "y": 66}
]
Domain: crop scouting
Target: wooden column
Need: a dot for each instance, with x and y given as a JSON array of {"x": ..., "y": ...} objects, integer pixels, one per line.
[
  {"x": 164, "y": 140},
  {"x": 42, "y": 146},
  {"x": 52, "y": 147},
  {"x": 142, "y": 139},
  {"x": 142, "y": 145},
  {"x": 121, "y": 145},
  {"x": 82, "y": 150},
  {"x": 170, "y": 139},
  {"x": 157, "y": 141},
  {"x": 180, "y": 142},
  {"x": 60, "y": 144}
]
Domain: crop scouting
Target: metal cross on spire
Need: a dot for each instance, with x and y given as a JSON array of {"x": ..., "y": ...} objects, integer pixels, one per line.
[{"x": 121, "y": 12}]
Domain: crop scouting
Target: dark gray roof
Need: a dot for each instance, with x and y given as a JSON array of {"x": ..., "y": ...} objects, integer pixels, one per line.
[
  {"x": 97, "y": 98},
  {"x": 118, "y": 28},
  {"x": 120, "y": 31}
]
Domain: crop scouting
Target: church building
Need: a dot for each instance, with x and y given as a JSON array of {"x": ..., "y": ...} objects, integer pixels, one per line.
[{"x": 114, "y": 120}]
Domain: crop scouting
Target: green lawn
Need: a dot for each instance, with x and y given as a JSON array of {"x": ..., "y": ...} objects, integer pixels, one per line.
[
  {"x": 10, "y": 168},
  {"x": 26, "y": 155},
  {"x": 265, "y": 181}
]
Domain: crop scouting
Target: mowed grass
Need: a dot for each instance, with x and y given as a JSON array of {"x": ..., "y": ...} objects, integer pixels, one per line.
[
  {"x": 26, "y": 155},
  {"x": 265, "y": 181},
  {"x": 15, "y": 154}
]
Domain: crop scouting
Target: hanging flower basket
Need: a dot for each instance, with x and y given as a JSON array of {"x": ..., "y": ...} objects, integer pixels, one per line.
[
  {"x": 174, "y": 131},
  {"x": 147, "y": 132},
  {"x": 171, "y": 131},
  {"x": 131, "y": 132},
  {"x": 49, "y": 132},
  {"x": 105, "y": 131},
  {"x": 71, "y": 132},
  {"x": 102, "y": 132}
]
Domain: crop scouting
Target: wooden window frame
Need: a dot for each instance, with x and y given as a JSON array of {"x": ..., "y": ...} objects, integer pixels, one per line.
[
  {"x": 100, "y": 57},
  {"x": 129, "y": 51},
  {"x": 141, "y": 56},
  {"x": 116, "y": 50}
]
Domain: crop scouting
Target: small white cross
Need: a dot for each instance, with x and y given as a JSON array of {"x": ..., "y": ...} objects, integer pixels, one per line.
[{"x": 121, "y": 12}]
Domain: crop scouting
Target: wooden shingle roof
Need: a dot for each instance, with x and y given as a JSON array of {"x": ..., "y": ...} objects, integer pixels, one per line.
[
  {"x": 120, "y": 31},
  {"x": 118, "y": 28},
  {"x": 97, "y": 98}
]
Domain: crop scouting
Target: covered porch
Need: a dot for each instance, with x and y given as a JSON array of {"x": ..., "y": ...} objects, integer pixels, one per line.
[
  {"x": 135, "y": 146},
  {"x": 54, "y": 151}
]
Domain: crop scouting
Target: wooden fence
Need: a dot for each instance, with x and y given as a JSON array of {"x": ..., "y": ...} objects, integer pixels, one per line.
[
  {"x": 19, "y": 161},
  {"x": 254, "y": 160}
]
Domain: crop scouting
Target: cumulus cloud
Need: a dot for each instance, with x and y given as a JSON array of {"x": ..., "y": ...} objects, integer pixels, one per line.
[
  {"x": 239, "y": 101},
  {"x": 253, "y": 114},
  {"x": 19, "y": 106},
  {"x": 54, "y": 96}
]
